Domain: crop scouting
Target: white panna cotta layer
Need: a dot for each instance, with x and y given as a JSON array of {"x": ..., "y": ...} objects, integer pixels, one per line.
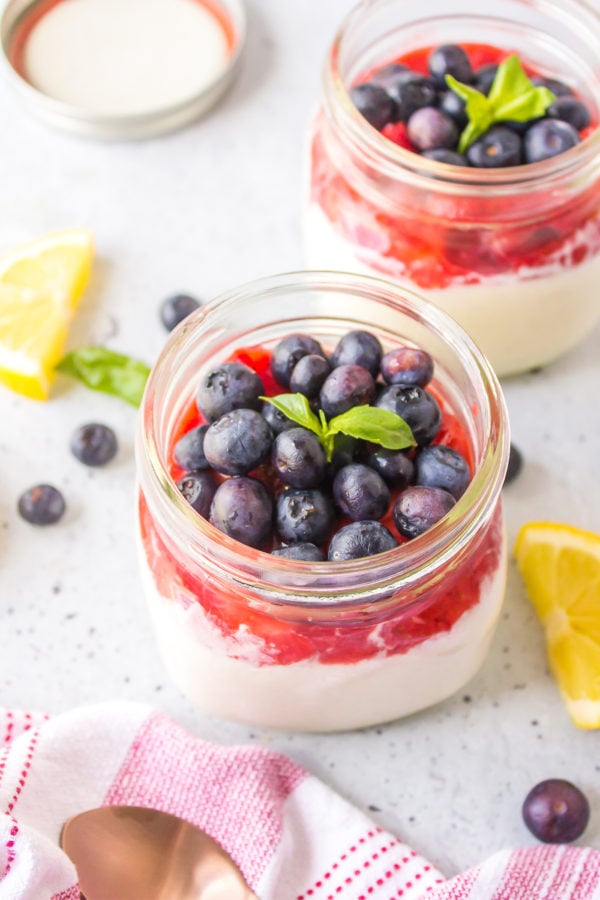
[
  {"x": 309, "y": 695},
  {"x": 520, "y": 322}
]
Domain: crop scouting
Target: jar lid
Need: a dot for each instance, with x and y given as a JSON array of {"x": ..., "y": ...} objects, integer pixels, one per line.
[{"x": 121, "y": 69}]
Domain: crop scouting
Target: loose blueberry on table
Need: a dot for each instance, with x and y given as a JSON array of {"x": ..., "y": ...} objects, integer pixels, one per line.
[
  {"x": 313, "y": 455},
  {"x": 94, "y": 444},
  {"x": 42, "y": 504},
  {"x": 515, "y": 464},
  {"x": 439, "y": 103},
  {"x": 556, "y": 811},
  {"x": 175, "y": 309}
]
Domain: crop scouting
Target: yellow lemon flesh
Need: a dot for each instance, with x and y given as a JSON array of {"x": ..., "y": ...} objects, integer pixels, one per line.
[
  {"x": 40, "y": 287},
  {"x": 560, "y": 566}
]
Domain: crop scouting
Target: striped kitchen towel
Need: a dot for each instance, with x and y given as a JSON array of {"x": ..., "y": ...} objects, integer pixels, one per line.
[{"x": 292, "y": 837}]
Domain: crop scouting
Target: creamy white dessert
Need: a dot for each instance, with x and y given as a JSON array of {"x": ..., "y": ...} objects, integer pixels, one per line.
[
  {"x": 519, "y": 320},
  {"x": 224, "y": 674}
]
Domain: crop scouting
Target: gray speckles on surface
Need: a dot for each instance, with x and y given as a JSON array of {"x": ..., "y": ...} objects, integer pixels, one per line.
[{"x": 188, "y": 211}]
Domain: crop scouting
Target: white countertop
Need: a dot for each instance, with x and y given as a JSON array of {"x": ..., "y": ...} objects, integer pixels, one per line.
[{"x": 201, "y": 211}]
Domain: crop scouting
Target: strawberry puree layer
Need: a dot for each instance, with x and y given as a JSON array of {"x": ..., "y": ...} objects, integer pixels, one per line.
[
  {"x": 261, "y": 636},
  {"x": 247, "y": 629}
]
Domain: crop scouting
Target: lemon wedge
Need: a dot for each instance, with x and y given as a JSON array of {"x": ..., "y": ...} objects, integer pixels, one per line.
[
  {"x": 41, "y": 285},
  {"x": 560, "y": 566}
]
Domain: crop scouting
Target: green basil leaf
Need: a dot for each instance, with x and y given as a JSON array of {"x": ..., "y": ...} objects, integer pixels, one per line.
[
  {"x": 478, "y": 109},
  {"x": 379, "y": 426},
  {"x": 512, "y": 97},
  {"x": 297, "y": 408},
  {"x": 106, "y": 371}
]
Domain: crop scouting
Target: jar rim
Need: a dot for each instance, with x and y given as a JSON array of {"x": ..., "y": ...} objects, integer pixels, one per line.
[
  {"x": 347, "y": 583},
  {"x": 393, "y": 160}
]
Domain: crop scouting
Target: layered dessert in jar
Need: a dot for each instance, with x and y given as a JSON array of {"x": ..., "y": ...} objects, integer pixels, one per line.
[
  {"x": 459, "y": 155},
  {"x": 320, "y": 523}
]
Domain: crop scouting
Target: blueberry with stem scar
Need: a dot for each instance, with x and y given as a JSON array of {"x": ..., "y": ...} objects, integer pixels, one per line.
[
  {"x": 229, "y": 386},
  {"x": 360, "y": 539},
  {"x": 41, "y": 504},
  {"x": 237, "y": 442}
]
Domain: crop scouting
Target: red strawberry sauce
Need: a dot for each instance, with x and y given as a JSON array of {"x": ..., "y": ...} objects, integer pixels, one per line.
[
  {"x": 245, "y": 620},
  {"x": 435, "y": 239}
]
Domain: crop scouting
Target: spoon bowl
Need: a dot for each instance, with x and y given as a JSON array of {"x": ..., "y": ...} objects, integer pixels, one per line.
[{"x": 134, "y": 853}]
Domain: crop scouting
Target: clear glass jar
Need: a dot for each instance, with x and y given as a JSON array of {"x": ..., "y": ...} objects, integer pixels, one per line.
[
  {"x": 321, "y": 646},
  {"x": 512, "y": 254}
]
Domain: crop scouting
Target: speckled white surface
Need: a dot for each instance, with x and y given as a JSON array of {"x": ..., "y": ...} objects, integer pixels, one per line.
[{"x": 201, "y": 211}]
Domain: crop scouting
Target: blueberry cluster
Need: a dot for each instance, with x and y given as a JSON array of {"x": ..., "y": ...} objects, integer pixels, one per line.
[
  {"x": 267, "y": 481},
  {"x": 435, "y": 116}
]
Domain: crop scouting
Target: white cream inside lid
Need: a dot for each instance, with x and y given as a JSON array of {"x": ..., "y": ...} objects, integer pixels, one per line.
[{"x": 126, "y": 57}]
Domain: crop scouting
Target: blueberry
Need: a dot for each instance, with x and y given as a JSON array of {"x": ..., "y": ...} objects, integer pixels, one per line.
[
  {"x": 569, "y": 109},
  {"x": 360, "y": 492},
  {"x": 374, "y": 103},
  {"x": 394, "y": 466},
  {"x": 407, "y": 365},
  {"x": 308, "y": 375},
  {"x": 515, "y": 464},
  {"x": 42, "y": 504},
  {"x": 418, "y": 508},
  {"x": 306, "y": 552},
  {"x": 347, "y": 386},
  {"x": 520, "y": 128},
  {"x": 360, "y": 539},
  {"x": 276, "y": 420},
  {"x": 345, "y": 449},
  {"x": 94, "y": 444},
  {"x": 298, "y": 458},
  {"x": 288, "y": 351},
  {"x": 441, "y": 466},
  {"x": 548, "y": 138},
  {"x": 387, "y": 76},
  {"x": 229, "y": 386},
  {"x": 243, "y": 509},
  {"x": 237, "y": 442},
  {"x": 411, "y": 91},
  {"x": 358, "y": 348},
  {"x": 189, "y": 450},
  {"x": 304, "y": 516},
  {"x": 484, "y": 78},
  {"x": 430, "y": 129},
  {"x": 556, "y": 811},
  {"x": 500, "y": 146},
  {"x": 177, "y": 308},
  {"x": 198, "y": 488},
  {"x": 454, "y": 106},
  {"x": 416, "y": 406},
  {"x": 558, "y": 88},
  {"x": 450, "y": 157},
  {"x": 450, "y": 59}
]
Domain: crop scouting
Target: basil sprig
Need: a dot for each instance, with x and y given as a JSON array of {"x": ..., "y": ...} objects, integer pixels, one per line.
[
  {"x": 368, "y": 423},
  {"x": 106, "y": 371},
  {"x": 512, "y": 97}
]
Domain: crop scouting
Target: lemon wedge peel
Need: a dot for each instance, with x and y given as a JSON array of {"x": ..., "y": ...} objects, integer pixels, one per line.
[
  {"x": 560, "y": 565},
  {"x": 41, "y": 285}
]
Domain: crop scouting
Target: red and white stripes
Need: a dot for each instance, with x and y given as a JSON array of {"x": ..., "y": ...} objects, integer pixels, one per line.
[{"x": 293, "y": 837}]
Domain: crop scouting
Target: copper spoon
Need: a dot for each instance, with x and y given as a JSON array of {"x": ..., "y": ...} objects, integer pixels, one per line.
[{"x": 132, "y": 853}]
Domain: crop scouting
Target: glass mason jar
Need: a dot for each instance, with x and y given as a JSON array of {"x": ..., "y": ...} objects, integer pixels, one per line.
[
  {"x": 332, "y": 645},
  {"x": 512, "y": 254}
]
